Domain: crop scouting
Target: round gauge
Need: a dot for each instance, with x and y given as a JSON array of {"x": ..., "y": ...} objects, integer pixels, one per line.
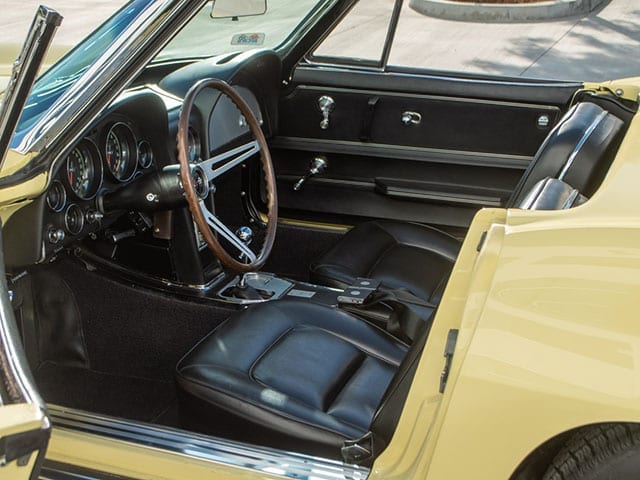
[
  {"x": 56, "y": 196},
  {"x": 84, "y": 170},
  {"x": 193, "y": 145},
  {"x": 121, "y": 152},
  {"x": 74, "y": 219},
  {"x": 145, "y": 154}
]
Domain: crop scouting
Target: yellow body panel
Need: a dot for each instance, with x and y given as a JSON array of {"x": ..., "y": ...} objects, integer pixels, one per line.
[{"x": 14, "y": 419}]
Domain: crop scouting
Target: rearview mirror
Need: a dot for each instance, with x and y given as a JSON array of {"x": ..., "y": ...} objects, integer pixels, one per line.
[{"x": 238, "y": 8}]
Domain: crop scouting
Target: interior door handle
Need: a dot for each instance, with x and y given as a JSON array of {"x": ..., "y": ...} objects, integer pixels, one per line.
[
  {"x": 411, "y": 118},
  {"x": 326, "y": 104}
]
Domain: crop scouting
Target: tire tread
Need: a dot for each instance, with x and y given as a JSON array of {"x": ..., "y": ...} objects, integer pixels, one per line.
[{"x": 592, "y": 448}]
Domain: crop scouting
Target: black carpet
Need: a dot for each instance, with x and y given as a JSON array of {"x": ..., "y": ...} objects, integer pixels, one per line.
[
  {"x": 128, "y": 397},
  {"x": 130, "y": 331}
]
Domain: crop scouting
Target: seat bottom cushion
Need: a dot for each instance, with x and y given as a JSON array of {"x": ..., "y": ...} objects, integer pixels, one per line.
[
  {"x": 401, "y": 255},
  {"x": 288, "y": 374}
]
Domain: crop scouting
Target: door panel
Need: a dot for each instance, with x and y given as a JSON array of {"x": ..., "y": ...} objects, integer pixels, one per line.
[
  {"x": 447, "y": 123},
  {"x": 464, "y": 153},
  {"x": 24, "y": 425}
]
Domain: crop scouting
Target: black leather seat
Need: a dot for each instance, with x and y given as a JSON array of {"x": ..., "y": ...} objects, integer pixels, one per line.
[
  {"x": 289, "y": 374},
  {"x": 418, "y": 258},
  {"x": 401, "y": 255}
]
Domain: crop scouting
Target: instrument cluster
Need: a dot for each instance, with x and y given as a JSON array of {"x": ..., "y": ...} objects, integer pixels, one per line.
[{"x": 112, "y": 155}]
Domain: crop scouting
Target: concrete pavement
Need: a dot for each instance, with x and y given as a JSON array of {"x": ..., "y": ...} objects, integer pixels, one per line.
[{"x": 599, "y": 46}]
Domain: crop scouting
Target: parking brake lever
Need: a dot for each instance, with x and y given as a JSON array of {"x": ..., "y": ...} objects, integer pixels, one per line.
[{"x": 317, "y": 166}]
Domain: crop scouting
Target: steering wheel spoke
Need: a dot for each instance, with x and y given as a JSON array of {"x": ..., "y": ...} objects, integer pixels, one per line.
[
  {"x": 216, "y": 166},
  {"x": 216, "y": 224}
]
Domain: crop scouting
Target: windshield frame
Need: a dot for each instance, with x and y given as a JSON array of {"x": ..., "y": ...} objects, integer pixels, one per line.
[{"x": 67, "y": 119}]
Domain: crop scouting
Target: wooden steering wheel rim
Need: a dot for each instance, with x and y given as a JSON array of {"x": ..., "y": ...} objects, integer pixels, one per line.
[{"x": 188, "y": 183}]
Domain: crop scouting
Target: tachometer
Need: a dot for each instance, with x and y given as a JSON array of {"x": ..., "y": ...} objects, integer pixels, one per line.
[
  {"x": 84, "y": 170},
  {"x": 121, "y": 152}
]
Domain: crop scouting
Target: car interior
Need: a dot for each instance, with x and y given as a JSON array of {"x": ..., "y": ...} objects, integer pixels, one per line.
[{"x": 160, "y": 281}]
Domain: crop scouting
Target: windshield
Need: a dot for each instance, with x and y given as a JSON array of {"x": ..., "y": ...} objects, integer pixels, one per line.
[
  {"x": 205, "y": 36},
  {"x": 202, "y": 37},
  {"x": 57, "y": 80}
]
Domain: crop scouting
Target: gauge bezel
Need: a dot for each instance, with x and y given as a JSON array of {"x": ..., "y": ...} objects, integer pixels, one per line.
[
  {"x": 129, "y": 136},
  {"x": 145, "y": 144},
  {"x": 98, "y": 176},
  {"x": 80, "y": 223},
  {"x": 63, "y": 203},
  {"x": 193, "y": 140}
]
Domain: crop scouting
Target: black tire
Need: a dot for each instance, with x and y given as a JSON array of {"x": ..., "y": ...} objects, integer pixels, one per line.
[{"x": 602, "y": 452}]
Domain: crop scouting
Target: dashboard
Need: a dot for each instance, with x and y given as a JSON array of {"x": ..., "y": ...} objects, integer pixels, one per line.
[{"x": 135, "y": 139}]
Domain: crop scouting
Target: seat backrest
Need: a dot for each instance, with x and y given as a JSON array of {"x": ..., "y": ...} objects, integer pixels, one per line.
[
  {"x": 552, "y": 194},
  {"x": 578, "y": 151}
]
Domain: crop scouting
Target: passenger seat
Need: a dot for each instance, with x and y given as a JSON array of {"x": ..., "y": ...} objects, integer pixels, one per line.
[{"x": 572, "y": 161}]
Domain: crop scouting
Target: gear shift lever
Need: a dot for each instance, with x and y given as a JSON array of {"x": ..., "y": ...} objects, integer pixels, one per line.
[{"x": 245, "y": 235}]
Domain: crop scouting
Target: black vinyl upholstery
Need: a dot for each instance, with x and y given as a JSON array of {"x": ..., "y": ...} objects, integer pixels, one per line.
[
  {"x": 409, "y": 256},
  {"x": 552, "y": 194},
  {"x": 578, "y": 150},
  {"x": 418, "y": 258},
  {"x": 291, "y": 374}
]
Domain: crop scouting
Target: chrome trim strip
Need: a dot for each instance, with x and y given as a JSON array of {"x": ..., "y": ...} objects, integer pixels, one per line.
[
  {"x": 568, "y": 203},
  {"x": 91, "y": 260},
  {"x": 581, "y": 143},
  {"x": 260, "y": 460},
  {"x": 453, "y": 77},
  {"x": 429, "y": 155},
  {"x": 427, "y": 96}
]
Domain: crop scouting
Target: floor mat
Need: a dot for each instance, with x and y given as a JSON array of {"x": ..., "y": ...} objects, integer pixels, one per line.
[{"x": 133, "y": 398}]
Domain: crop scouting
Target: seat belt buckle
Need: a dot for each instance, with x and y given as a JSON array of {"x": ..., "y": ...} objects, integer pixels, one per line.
[
  {"x": 358, "y": 450},
  {"x": 359, "y": 292}
]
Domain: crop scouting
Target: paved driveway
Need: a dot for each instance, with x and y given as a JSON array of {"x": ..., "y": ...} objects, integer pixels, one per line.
[{"x": 599, "y": 46}]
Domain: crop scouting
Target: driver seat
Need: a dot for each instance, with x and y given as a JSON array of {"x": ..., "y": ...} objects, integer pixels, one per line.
[{"x": 295, "y": 375}]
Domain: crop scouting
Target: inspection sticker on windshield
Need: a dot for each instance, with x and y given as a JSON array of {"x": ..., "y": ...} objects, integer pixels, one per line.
[{"x": 248, "y": 39}]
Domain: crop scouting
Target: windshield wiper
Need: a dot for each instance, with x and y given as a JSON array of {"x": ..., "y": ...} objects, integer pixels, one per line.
[{"x": 24, "y": 73}]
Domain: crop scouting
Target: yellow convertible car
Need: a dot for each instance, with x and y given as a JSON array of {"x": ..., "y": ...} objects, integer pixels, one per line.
[{"x": 232, "y": 250}]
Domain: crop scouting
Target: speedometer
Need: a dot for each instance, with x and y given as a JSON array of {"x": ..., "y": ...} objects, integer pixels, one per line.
[
  {"x": 84, "y": 170},
  {"x": 121, "y": 152}
]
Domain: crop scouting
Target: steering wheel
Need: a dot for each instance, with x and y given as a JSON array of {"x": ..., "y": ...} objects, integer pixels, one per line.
[{"x": 198, "y": 178}]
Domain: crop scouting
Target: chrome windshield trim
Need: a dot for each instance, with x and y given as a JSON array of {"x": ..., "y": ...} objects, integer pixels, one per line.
[
  {"x": 261, "y": 460},
  {"x": 97, "y": 79},
  {"x": 24, "y": 72}
]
